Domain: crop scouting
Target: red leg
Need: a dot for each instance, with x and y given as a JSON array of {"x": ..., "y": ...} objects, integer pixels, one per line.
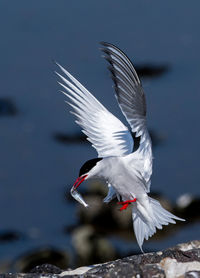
[{"x": 126, "y": 203}]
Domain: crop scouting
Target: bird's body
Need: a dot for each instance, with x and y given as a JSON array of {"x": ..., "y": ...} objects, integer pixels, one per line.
[
  {"x": 123, "y": 178},
  {"x": 127, "y": 172}
]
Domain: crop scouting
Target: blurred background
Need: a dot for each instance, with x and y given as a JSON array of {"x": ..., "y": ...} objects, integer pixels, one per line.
[{"x": 42, "y": 149}]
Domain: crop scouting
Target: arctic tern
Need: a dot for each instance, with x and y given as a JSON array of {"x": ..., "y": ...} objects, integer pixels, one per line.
[{"x": 127, "y": 172}]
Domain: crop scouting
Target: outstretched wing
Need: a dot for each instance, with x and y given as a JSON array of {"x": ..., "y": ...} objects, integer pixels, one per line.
[
  {"x": 129, "y": 92},
  {"x": 131, "y": 99},
  {"x": 108, "y": 135}
]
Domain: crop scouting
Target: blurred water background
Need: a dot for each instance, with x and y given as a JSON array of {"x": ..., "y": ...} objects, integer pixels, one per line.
[{"x": 36, "y": 168}]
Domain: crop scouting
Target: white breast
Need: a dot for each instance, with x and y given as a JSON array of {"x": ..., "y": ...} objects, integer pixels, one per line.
[{"x": 126, "y": 180}]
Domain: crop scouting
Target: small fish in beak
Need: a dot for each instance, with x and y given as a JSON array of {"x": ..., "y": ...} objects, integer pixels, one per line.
[{"x": 75, "y": 194}]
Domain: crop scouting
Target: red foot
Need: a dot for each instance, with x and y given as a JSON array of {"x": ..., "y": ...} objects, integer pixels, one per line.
[{"x": 126, "y": 203}]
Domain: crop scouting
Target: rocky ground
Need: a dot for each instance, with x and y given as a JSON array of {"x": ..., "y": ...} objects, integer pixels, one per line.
[{"x": 182, "y": 260}]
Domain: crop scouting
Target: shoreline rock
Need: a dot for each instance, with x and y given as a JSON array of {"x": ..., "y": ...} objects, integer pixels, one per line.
[{"x": 183, "y": 260}]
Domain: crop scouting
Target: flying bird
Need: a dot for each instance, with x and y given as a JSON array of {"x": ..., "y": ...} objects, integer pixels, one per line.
[{"x": 126, "y": 172}]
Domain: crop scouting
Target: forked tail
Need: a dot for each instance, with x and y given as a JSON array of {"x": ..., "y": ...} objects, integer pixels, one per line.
[{"x": 157, "y": 217}]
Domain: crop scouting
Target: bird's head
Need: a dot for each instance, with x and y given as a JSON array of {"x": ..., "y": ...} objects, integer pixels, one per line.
[{"x": 85, "y": 171}]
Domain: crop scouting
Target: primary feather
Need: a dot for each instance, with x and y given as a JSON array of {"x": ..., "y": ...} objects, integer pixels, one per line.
[
  {"x": 131, "y": 99},
  {"x": 108, "y": 135}
]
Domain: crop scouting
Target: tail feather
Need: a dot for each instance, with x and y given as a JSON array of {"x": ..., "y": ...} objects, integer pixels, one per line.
[{"x": 158, "y": 217}]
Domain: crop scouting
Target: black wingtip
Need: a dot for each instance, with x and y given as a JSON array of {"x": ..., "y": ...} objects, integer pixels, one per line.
[
  {"x": 105, "y": 50},
  {"x": 104, "y": 43},
  {"x": 107, "y": 44},
  {"x": 110, "y": 68}
]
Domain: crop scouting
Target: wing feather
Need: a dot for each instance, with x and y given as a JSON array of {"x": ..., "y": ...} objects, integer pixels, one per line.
[
  {"x": 108, "y": 135},
  {"x": 128, "y": 88},
  {"x": 131, "y": 99}
]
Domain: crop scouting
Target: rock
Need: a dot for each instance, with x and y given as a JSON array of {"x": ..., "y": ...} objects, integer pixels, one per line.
[
  {"x": 98, "y": 214},
  {"x": 44, "y": 256},
  {"x": 173, "y": 262},
  {"x": 10, "y": 235},
  {"x": 7, "y": 107},
  {"x": 70, "y": 138},
  {"x": 91, "y": 247},
  {"x": 29, "y": 275},
  {"x": 181, "y": 261},
  {"x": 150, "y": 70},
  {"x": 188, "y": 206},
  {"x": 192, "y": 274},
  {"x": 46, "y": 268}
]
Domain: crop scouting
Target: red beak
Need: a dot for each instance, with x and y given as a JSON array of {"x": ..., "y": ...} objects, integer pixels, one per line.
[{"x": 78, "y": 181}]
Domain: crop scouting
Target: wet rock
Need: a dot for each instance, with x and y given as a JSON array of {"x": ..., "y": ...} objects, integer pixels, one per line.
[
  {"x": 91, "y": 247},
  {"x": 150, "y": 70},
  {"x": 45, "y": 255},
  {"x": 7, "y": 107},
  {"x": 9, "y": 236},
  {"x": 192, "y": 274},
  {"x": 172, "y": 262},
  {"x": 182, "y": 260},
  {"x": 46, "y": 268},
  {"x": 70, "y": 138},
  {"x": 98, "y": 214},
  {"x": 188, "y": 206},
  {"x": 28, "y": 275}
]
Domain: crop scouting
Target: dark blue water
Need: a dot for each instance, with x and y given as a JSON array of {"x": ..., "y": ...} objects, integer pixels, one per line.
[{"x": 35, "y": 170}]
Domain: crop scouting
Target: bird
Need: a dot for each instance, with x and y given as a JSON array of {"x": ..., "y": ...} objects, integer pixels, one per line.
[{"x": 126, "y": 171}]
